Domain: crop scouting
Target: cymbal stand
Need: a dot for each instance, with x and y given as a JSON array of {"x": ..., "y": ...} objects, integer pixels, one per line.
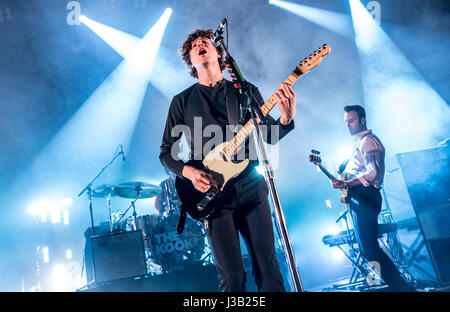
[
  {"x": 134, "y": 213},
  {"x": 108, "y": 203}
]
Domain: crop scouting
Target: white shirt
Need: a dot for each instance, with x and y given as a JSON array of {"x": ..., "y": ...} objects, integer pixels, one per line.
[{"x": 367, "y": 161}]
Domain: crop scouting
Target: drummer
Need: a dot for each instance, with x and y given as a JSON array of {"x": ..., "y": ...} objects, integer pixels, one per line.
[{"x": 167, "y": 202}]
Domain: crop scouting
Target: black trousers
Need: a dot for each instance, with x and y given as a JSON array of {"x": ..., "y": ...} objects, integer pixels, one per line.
[
  {"x": 365, "y": 205},
  {"x": 246, "y": 210}
]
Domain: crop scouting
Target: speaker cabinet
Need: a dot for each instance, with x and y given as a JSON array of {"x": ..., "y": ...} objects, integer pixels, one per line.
[
  {"x": 427, "y": 178},
  {"x": 118, "y": 255}
]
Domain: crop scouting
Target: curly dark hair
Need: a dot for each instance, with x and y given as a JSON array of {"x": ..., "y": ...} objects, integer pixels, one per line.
[{"x": 187, "y": 46}]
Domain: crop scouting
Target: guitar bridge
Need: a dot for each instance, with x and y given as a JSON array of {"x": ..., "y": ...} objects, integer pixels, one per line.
[{"x": 208, "y": 197}]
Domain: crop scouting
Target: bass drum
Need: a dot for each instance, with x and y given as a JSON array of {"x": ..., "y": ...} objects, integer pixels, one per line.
[{"x": 172, "y": 251}]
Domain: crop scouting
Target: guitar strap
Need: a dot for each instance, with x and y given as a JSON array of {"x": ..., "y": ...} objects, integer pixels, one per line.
[
  {"x": 233, "y": 99},
  {"x": 345, "y": 163},
  {"x": 182, "y": 220}
]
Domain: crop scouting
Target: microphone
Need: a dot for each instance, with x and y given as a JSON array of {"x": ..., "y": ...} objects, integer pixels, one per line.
[
  {"x": 121, "y": 152},
  {"x": 218, "y": 33}
]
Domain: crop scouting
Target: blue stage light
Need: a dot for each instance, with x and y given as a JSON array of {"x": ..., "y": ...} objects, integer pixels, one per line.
[
  {"x": 333, "y": 21},
  {"x": 105, "y": 120},
  {"x": 122, "y": 42},
  {"x": 405, "y": 111},
  {"x": 164, "y": 75}
]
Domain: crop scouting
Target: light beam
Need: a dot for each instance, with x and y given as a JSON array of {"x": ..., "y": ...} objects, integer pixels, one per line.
[{"x": 402, "y": 107}]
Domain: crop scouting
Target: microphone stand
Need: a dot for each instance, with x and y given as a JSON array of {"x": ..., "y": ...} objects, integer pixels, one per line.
[
  {"x": 89, "y": 190},
  {"x": 244, "y": 87}
]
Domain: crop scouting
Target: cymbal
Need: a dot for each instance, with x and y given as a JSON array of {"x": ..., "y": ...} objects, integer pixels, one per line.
[
  {"x": 136, "y": 190},
  {"x": 104, "y": 190}
]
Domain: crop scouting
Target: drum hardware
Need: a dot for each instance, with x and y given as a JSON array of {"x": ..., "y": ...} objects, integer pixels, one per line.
[
  {"x": 152, "y": 267},
  {"x": 88, "y": 187},
  {"x": 132, "y": 205},
  {"x": 173, "y": 201},
  {"x": 147, "y": 224},
  {"x": 137, "y": 190},
  {"x": 165, "y": 250},
  {"x": 106, "y": 191}
]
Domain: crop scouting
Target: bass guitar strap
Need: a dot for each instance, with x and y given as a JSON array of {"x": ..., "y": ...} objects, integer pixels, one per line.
[{"x": 345, "y": 163}]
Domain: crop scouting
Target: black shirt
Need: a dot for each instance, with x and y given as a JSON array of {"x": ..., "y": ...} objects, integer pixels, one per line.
[{"x": 199, "y": 111}]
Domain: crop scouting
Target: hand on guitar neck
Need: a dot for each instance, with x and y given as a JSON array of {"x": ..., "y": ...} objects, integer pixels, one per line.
[{"x": 336, "y": 183}]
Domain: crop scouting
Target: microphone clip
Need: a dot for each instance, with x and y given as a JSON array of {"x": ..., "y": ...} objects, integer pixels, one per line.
[
  {"x": 122, "y": 153},
  {"x": 218, "y": 33}
]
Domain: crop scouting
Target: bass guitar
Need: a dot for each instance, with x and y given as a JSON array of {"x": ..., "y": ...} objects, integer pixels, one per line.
[{"x": 314, "y": 158}]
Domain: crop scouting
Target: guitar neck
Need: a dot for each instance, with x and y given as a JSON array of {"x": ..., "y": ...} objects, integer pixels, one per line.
[
  {"x": 332, "y": 177},
  {"x": 327, "y": 173},
  {"x": 242, "y": 134},
  {"x": 303, "y": 67}
]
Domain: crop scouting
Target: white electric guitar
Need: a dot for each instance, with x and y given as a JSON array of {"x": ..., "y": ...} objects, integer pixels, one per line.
[{"x": 219, "y": 162}]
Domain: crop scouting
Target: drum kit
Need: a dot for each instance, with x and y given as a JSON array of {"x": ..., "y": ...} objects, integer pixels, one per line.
[{"x": 165, "y": 249}]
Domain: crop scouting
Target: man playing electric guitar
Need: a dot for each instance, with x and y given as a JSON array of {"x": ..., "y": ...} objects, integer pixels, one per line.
[
  {"x": 213, "y": 101},
  {"x": 364, "y": 173}
]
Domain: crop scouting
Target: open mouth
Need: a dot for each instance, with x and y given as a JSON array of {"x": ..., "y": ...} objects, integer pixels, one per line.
[{"x": 202, "y": 51}]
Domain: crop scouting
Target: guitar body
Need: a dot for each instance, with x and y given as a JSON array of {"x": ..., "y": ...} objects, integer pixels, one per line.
[
  {"x": 344, "y": 197},
  {"x": 201, "y": 205}
]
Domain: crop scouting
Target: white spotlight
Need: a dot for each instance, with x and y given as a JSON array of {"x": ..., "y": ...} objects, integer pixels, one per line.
[
  {"x": 45, "y": 255},
  {"x": 333, "y": 21},
  {"x": 120, "y": 41},
  {"x": 49, "y": 206},
  {"x": 337, "y": 253},
  {"x": 399, "y": 102},
  {"x": 260, "y": 169},
  {"x": 60, "y": 279},
  {"x": 107, "y": 118}
]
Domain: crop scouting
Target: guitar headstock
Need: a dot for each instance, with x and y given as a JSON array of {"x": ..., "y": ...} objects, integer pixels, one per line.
[
  {"x": 313, "y": 59},
  {"x": 314, "y": 157}
]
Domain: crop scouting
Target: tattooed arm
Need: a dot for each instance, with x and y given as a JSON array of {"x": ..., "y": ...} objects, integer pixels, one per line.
[
  {"x": 372, "y": 166},
  {"x": 373, "y": 152}
]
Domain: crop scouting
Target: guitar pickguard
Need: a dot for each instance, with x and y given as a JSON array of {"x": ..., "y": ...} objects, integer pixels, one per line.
[{"x": 222, "y": 169}]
